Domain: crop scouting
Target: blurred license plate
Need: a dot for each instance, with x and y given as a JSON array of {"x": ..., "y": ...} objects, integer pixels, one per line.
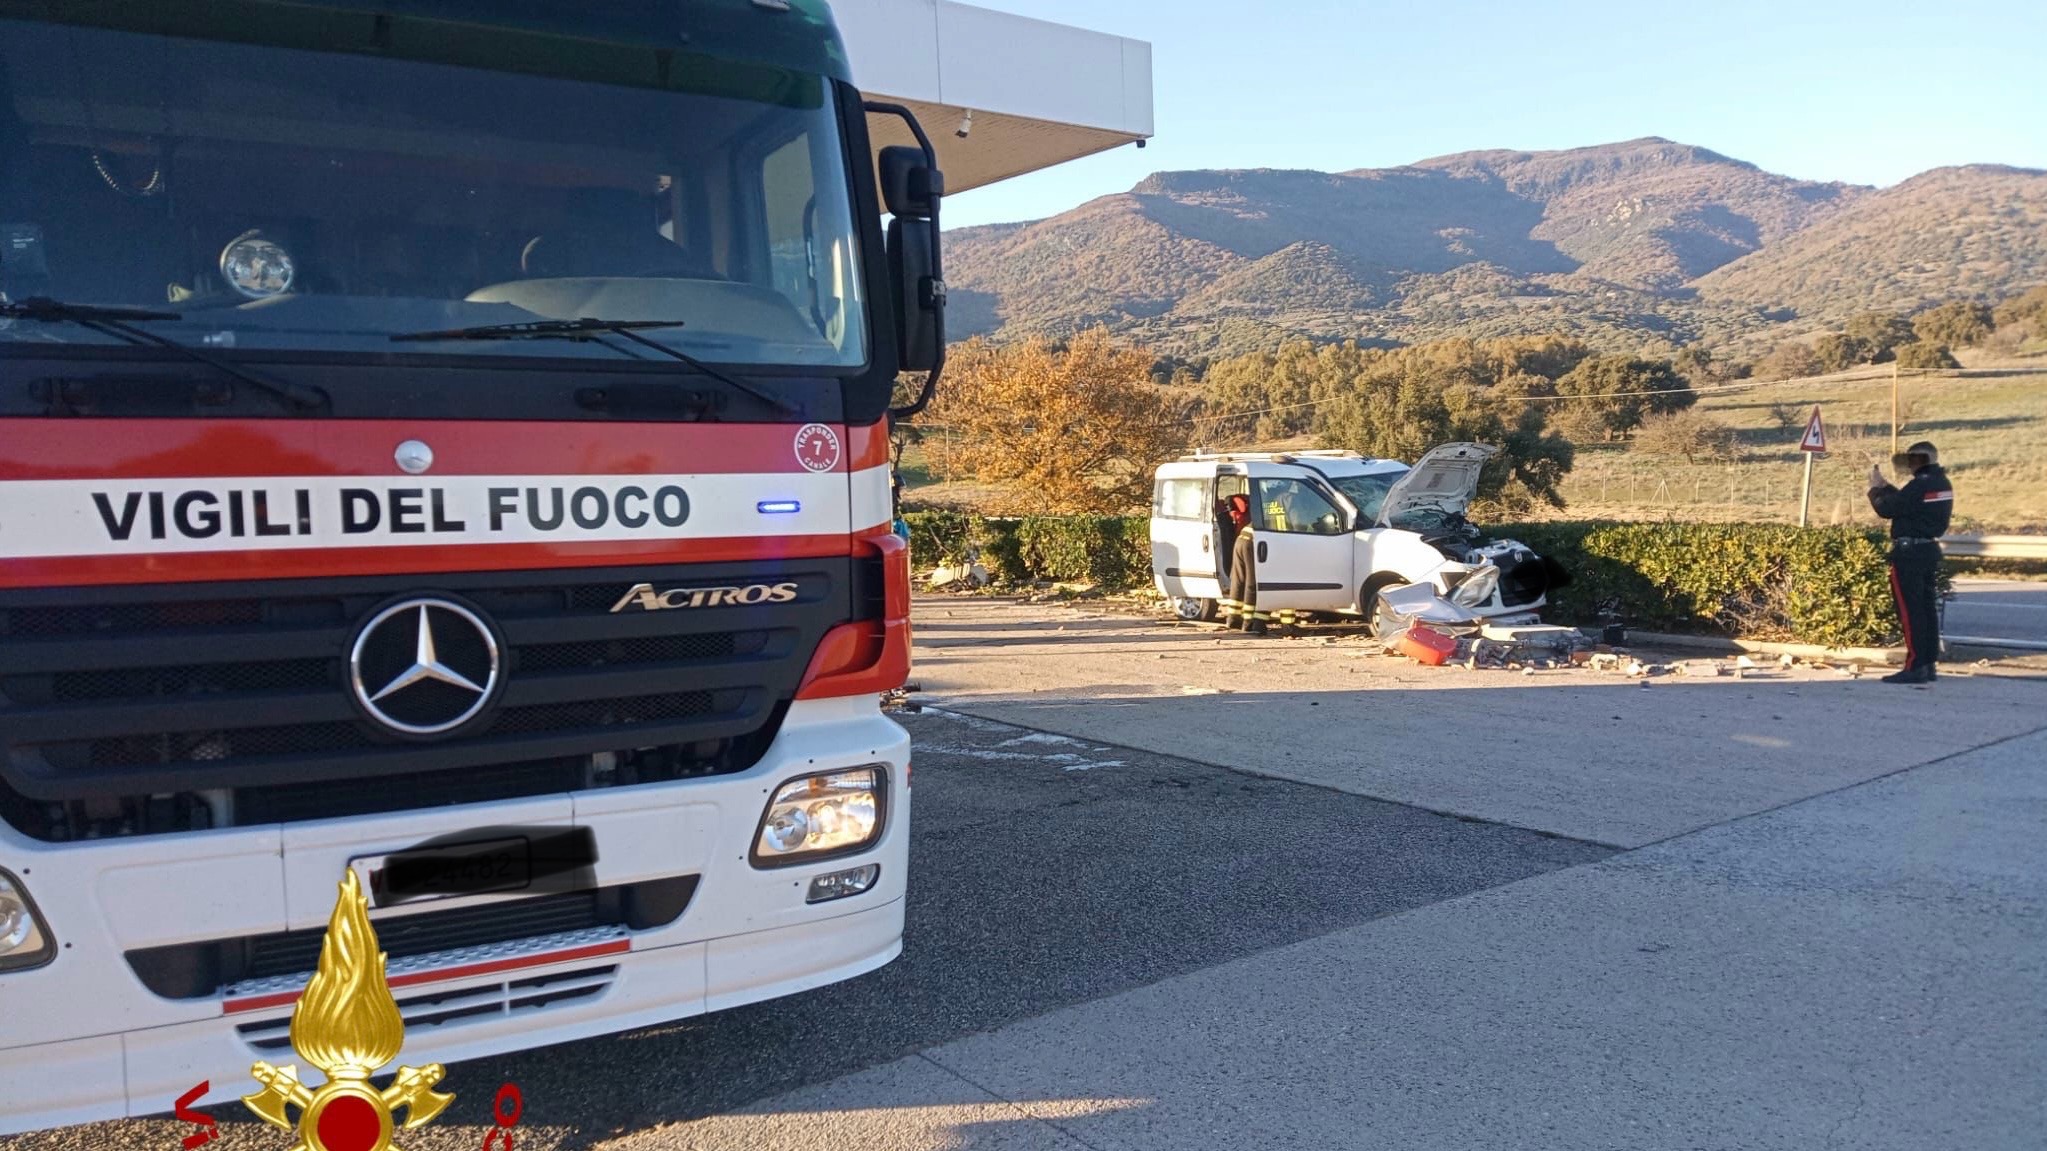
[
  {"x": 482, "y": 863},
  {"x": 447, "y": 871}
]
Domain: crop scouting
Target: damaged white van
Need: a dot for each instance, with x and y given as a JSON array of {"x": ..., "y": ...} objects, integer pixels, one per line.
[{"x": 1334, "y": 529}]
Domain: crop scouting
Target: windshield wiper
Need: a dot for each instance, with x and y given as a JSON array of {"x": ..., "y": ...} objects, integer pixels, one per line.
[
  {"x": 120, "y": 324},
  {"x": 588, "y": 330}
]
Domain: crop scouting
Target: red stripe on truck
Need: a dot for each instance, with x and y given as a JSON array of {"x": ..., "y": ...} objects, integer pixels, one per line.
[
  {"x": 40, "y": 449},
  {"x": 443, "y": 974},
  {"x": 868, "y": 447},
  {"x": 195, "y": 567}
]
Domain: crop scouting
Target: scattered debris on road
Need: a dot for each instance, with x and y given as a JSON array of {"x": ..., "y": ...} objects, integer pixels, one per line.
[
  {"x": 959, "y": 575},
  {"x": 1538, "y": 648},
  {"x": 898, "y": 699},
  {"x": 1521, "y": 644},
  {"x": 1426, "y": 645}
]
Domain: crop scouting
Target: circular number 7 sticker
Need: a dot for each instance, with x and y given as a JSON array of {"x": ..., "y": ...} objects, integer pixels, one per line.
[{"x": 817, "y": 447}]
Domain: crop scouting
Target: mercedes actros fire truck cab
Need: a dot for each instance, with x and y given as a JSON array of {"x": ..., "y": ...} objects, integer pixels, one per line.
[{"x": 429, "y": 419}]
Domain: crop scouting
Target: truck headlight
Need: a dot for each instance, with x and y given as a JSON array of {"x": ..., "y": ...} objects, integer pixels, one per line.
[
  {"x": 833, "y": 813},
  {"x": 23, "y": 941}
]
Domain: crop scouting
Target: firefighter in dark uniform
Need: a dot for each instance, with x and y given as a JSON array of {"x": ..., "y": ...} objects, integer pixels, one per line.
[
  {"x": 1919, "y": 513},
  {"x": 1242, "y": 605}
]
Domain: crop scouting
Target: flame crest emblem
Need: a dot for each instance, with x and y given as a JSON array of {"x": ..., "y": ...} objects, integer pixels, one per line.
[{"x": 348, "y": 1027}]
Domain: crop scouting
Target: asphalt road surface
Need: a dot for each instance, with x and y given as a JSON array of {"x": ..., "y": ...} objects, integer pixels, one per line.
[
  {"x": 1048, "y": 872},
  {"x": 2000, "y": 609}
]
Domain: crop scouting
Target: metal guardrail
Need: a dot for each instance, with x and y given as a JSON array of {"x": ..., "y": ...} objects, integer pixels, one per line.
[
  {"x": 1997, "y": 547},
  {"x": 1992, "y": 641}
]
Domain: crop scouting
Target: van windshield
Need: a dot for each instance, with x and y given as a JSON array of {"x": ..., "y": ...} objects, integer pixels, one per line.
[
  {"x": 316, "y": 201},
  {"x": 1368, "y": 492}
]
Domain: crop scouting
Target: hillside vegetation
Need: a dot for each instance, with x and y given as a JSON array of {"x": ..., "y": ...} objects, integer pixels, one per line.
[
  {"x": 1955, "y": 232},
  {"x": 1640, "y": 246}
]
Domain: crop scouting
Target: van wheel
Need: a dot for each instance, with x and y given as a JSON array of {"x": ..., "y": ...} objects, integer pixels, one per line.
[
  {"x": 1368, "y": 600},
  {"x": 1194, "y": 610}
]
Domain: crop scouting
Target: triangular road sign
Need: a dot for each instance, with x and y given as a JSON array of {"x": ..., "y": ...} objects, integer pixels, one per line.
[{"x": 1815, "y": 434}]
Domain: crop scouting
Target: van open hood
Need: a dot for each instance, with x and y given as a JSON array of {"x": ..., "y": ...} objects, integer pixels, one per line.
[{"x": 1443, "y": 481}]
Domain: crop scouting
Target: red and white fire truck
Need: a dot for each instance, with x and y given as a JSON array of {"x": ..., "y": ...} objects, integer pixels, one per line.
[{"x": 426, "y": 418}]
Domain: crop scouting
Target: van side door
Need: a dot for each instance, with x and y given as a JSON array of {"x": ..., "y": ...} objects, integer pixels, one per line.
[
  {"x": 1305, "y": 551},
  {"x": 1184, "y": 564}
]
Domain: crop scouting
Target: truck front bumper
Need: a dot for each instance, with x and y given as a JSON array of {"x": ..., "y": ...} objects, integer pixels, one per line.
[{"x": 82, "y": 1038}]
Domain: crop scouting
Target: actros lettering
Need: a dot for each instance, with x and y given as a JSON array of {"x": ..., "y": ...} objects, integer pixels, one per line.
[{"x": 644, "y": 596}]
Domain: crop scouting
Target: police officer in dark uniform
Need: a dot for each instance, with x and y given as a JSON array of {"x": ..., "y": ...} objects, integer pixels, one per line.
[{"x": 1919, "y": 513}]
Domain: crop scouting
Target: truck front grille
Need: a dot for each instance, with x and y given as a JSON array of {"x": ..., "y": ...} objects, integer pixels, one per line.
[
  {"x": 203, "y": 969},
  {"x": 166, "y": 747},
  {"x": 143, "y": 682},
  {"x": 164, "y": 708},
  {"x": 468, "y": 1004}
]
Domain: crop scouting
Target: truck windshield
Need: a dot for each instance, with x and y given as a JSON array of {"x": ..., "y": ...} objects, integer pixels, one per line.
[{"x": 309, "y": 201}]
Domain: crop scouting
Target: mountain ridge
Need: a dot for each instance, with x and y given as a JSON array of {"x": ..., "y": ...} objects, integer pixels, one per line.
[{"x": 1641, "y": 242}]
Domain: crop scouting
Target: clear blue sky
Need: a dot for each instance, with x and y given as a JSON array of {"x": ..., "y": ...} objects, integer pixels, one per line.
[{"x": 1869, "y": 92}]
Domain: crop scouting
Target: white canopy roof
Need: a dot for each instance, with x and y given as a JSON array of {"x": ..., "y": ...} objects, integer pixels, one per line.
[{"x": 1040, "y": 93}]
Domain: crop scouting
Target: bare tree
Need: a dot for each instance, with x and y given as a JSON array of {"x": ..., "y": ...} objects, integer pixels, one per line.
[{"x": 1691, "y": 434}]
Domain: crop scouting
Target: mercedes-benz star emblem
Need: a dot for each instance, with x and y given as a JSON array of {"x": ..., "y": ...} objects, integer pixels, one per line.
[{"x": 424, "y": 666}]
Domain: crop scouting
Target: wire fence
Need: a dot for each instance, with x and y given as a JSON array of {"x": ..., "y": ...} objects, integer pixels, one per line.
[{"x": 1749, "y": 493}]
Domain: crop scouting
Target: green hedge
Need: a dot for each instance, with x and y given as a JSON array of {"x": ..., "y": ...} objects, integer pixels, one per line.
[
  {"x": 1763, "y": 581},
  {"x": 940, "y": 537},
  {"x": 1111, "y": 551}
]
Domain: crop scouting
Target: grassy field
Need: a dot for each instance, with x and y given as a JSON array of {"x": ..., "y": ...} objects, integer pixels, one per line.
[{"x": 1992, "y": 434}]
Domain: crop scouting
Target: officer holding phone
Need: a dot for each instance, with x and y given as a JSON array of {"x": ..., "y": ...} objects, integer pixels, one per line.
[{"x": 1919, "y": 513}]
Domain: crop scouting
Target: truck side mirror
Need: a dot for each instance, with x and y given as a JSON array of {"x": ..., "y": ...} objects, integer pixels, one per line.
[
  {"x": 911, "y": 189},
  {"x": 919, "y": 293},
  {"x": 909, "y": 186}
]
